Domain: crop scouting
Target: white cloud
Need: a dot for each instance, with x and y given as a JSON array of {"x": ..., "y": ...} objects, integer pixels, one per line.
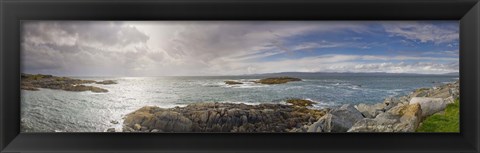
[
  {"x": 188, "y": 48},
  {"x": 423, "y": 32},
  {"x": 344, "y": 63},
  {"x": 454, "y": 53},
  {"x": 316, "y": 45}
]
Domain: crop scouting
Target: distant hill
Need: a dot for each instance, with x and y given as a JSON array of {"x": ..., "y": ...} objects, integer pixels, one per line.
[
  {"x": 349, "y": 74},
  {"x": 453, "y": 74}
]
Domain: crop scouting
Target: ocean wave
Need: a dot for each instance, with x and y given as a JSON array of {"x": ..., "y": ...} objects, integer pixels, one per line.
[
  {"x": 354, "y": 87},
  {"x": 294, "y": 87},
  {"x": 324, "y": 86},
  {"x": 348, "y": 86}
]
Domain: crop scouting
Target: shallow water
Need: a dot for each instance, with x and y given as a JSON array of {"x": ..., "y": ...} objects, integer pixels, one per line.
[{"x": 63, "y": 111}]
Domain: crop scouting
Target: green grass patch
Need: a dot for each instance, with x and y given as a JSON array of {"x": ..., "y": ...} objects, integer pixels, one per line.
[{"x": 448, "y": 122}]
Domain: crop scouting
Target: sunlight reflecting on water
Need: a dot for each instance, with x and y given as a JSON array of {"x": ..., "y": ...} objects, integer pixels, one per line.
[{"x": 55, "y": 110}]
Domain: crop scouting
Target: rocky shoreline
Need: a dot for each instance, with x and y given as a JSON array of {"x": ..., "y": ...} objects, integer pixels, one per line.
[
  {"x": 34, "y": 81},
  {"x": 394, "y": 114}
]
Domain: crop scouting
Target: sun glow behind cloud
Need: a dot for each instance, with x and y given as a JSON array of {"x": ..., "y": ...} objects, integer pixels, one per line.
[{"x": 174, "y": 48}]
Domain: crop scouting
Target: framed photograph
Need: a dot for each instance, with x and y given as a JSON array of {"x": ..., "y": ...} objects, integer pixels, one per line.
[{"x": 239, "y": 76}]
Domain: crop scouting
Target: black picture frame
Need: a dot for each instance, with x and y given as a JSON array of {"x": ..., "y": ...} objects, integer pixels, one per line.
[{"x": 14, "y": 11}]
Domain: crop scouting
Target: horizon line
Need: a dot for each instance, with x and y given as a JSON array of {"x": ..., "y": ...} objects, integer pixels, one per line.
[{"x": 273, "y": 73}]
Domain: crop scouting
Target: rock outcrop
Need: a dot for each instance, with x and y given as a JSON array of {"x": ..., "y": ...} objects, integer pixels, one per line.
[
  {"x": 232, "y": 82},
  {"x": 371, "y": 111},
  {"x": 401, "y": 118},
  {"x": 403, "y": 114},
  {"x": 429, "y": 105},
  {"x": 277, "y": 80},
  {"x": 220, "y": 117},
  {"x": 33, "y": 82},
  {"x": 106, "y": 82},
  {"x": 337, "y": 120}
]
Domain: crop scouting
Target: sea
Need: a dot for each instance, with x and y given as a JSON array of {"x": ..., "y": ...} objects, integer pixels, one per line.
[{"x": 49, "y": 110}]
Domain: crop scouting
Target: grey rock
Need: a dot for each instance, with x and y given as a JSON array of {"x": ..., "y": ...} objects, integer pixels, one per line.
[
  {"x": 155, "y": 130},
  {"x": 401, "y": 118},
  {"x": 370, "y": 111},
  {"x": 322, "y": 125},
  {"x": 430, "y": 106},
  {"x": 347, "y": 113},
  {"x": 127, "y": 129},
  {"x": 337, "y": 120},
  {"x": 111, "y": 130}
]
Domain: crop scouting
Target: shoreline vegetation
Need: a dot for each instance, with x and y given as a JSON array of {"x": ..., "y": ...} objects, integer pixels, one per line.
[
  {"x": 433, "y": 109},
  {"x": 35, "y": 81},
  {"x": 444, "y": 121}
]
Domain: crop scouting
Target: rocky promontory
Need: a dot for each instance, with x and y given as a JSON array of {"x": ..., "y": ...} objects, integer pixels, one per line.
[
  {"x": 34, "y": 81},
  {"x": 106, "y": 82},
  {"x": 406, "y": 113},
  {"x": 229, "y": 82},
  {"x": 394, "y": 114},
  {"x": 221, "y": 117},
  {"x": 277, "y": 80}
]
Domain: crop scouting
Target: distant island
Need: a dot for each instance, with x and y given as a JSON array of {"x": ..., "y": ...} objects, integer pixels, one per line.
[
  {"x": 351, "y": 74},
  {"x": 35, "y": 81}
]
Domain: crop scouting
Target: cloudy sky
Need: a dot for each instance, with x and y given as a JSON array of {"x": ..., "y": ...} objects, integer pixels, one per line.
[{"x": 179, "y": 48}]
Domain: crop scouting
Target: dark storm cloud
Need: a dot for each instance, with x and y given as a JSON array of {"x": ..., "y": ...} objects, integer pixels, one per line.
[{"x": 80, "y": 46}]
